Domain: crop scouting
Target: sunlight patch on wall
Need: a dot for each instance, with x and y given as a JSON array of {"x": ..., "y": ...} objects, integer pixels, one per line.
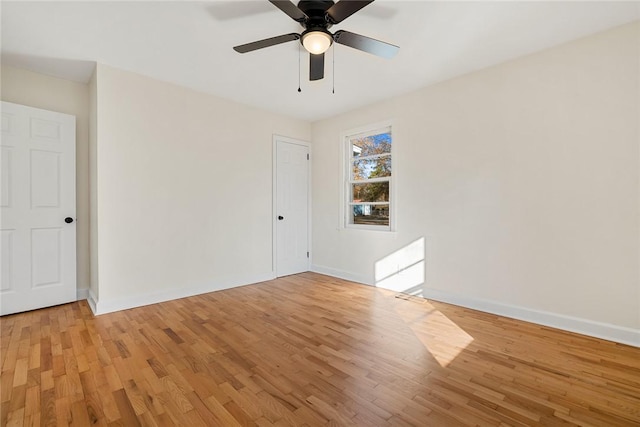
[{"x": 403, "y": 270}]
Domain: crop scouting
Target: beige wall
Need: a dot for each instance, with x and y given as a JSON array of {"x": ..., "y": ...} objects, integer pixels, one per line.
[
  {"x": 521, "y": 178},
  {"x": 37, "y": 90},
  {"x": 93, "y": 188},
  {"x": 183, "y": 187}
]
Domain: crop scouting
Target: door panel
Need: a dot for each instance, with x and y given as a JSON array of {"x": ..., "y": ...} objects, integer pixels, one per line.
[
  {"x": 45, "y": 179},
  {"x": 45, "y": 256},
  {"x": 7, "y": 249},
  {"x": 292, "y": 207},
  {"x": 38, "y": 193},
  {"x": 6, "y": 166}
]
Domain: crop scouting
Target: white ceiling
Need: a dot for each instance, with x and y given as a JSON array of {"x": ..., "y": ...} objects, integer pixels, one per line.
[{"x": 190, "y": 44}]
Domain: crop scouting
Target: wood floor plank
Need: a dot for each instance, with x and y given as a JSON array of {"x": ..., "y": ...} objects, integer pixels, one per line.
[
  {"x": 307, "y": 350},
  {"x": 125, "y": 408}
]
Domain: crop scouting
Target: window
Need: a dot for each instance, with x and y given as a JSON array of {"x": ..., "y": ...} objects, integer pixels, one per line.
[{"x": 368, "y": 179}]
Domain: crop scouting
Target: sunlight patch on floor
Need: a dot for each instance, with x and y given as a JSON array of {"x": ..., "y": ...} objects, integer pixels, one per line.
[
  {"x": 404, "y": 271},
  {"x": 456, "y": 338},
  {"x": 441, "y": 336}
]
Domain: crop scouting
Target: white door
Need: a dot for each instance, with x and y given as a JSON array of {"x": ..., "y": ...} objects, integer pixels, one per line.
[
  {"x": 38, "y": 207},
  {"x": 292, "y": 206}
]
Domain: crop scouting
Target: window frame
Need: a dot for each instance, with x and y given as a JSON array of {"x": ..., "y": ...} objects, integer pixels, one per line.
[{"x": 346, "y": 184}]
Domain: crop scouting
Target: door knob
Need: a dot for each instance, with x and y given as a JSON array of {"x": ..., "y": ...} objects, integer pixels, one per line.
[
  {"x": 280, "y": 217},
  {"x": 68, "y": 220}
]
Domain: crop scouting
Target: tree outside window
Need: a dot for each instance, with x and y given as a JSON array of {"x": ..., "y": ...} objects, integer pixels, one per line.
[{"x": 369, "y": 178}]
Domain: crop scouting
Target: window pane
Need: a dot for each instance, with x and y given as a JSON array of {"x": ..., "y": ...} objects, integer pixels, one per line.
[
  {"x": 368, "y": 159},
  {"x": 371, "y": 145},
  {"x": 372, "y": 192},
  {"x": 371, "y": 168},
  {"x": 370, "y": 215}
]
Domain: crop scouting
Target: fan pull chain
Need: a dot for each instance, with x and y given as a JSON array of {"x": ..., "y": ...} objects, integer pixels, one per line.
[
  {"x": 299, "y": 60},
  {"x": 333, "y": 72}
]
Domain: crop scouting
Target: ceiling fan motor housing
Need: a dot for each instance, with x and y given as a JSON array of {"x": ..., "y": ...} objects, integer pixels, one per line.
[
  {"x": 317, "y": 21},
  {"x": 316, "y": 10}
]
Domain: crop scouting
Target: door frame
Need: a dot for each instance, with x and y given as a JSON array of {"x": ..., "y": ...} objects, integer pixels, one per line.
[{"x": 274, "y": 203}]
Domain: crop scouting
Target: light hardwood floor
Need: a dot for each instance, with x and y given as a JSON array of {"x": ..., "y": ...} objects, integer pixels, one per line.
[{"x": 308, "y": 350}]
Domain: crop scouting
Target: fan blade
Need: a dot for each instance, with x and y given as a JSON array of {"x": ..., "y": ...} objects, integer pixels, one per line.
[
  {"x": 244, "y": 48},
  {"x": 366, "y": 44},
  {"x": 316, "y": 66},
  {"x": 290, "y": 9},
  {"x": 344, "y": 9}
]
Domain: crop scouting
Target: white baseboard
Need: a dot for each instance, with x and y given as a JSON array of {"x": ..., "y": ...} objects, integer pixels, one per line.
[
  {"x": 587, "y": 327},
  {"x": 341, "y": 274},
  {"x": 91, "y": 299},
  {"x": 619, "y": 334},
  {"x": 578, "y": 325},
  {"x": 103, "y": 306}
]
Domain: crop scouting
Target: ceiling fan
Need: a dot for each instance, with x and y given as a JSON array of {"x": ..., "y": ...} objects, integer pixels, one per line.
[{"x": 317, "y": 16}]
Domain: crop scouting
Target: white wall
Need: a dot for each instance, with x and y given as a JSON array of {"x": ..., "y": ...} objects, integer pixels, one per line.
[
  {"x": 94, "y": 289},
  {"x": 183, "y": 187},
  {"x": 522, "y": 179},
  {"x": 50, "y": 93}
]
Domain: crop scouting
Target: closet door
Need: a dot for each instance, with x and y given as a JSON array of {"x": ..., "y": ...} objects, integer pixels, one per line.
[{"x": 38, "y": 207}]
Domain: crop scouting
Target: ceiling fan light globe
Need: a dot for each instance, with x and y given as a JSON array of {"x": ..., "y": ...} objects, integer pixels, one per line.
[{"x": 316, "y": 42}]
